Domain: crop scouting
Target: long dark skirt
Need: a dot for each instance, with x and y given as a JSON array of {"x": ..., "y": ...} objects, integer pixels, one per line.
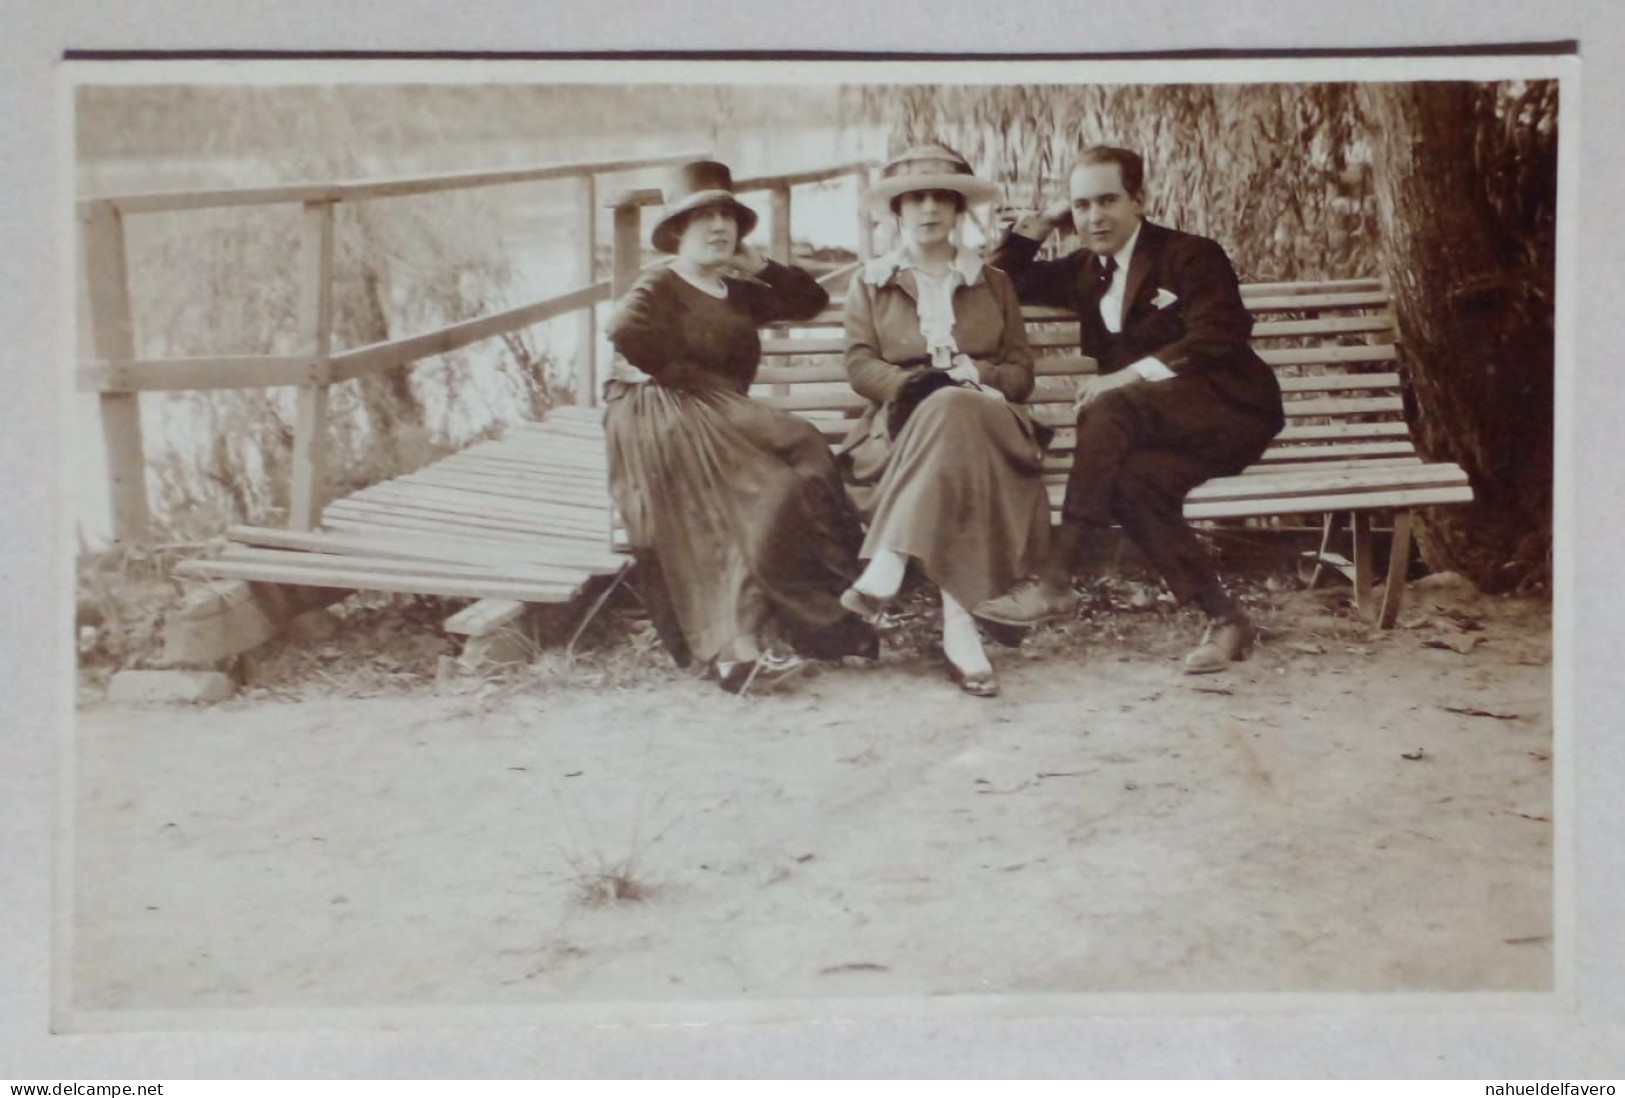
[{"x": 739, "y": 520}]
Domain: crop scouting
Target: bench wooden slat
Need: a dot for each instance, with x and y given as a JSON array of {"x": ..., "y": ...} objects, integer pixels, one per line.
[
  {"x": 1351, "y": 451},
  {"x": 1265, "y": 466},
  {"x": 1306, "y": 436},
  {"x": 1335, "y": 285},
  {"x": 1326, "y": 356},
  {"x": 1363, "y": 299},
  {"x": 1060, "y": 416},
  {"x": 834, "y": 372},
  {"x": 1347, "y": 432},
  {"x": 295, "y": 558},
  {"x": 1331, "y": 325},
  {"x": 1047, "y": 403},
  {"x": 415, "y": 547},
  {"x": 1314, "y": 505},
  {"x": 1307, "y": 505},
  {"x": 1337, "y": 479},
  {"x": 363, "y": 579},
  {"x": 1333, "y": 408},
  {"x": 1250, "y": 293},
  {"x": 592, "y": 557},
  {"x": 586, "y": 518},
  {"x": 370, "y": 510},
  {"x": 1268, "y": 485}
]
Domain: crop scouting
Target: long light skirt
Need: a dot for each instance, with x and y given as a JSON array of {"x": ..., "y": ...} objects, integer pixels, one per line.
[{"x": 963, "y": 493}]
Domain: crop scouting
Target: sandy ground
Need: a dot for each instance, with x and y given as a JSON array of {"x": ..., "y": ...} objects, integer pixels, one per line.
[{"x": 1321, "y": 818}]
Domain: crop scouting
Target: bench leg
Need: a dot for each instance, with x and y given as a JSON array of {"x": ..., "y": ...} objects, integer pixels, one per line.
[
  {"x": 1360, "y": 527},
  {"x": 1399, "y": 559},
  {"x": 1324, "y": 558}
]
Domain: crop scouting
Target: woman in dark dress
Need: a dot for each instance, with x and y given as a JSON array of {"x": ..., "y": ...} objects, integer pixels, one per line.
[{"x": 736, "y": 511}]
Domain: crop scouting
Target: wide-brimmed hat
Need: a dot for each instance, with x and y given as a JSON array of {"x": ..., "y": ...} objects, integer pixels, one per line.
[
  {"x": 926, "y": 168},
  {"x": 695, "y": 184}
]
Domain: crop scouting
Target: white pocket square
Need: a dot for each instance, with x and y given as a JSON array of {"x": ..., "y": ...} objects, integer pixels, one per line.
[{"x": 1164, "y": 298}]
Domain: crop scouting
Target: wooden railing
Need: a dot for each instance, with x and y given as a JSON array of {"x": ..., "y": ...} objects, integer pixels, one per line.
[{"x": 119, "y": 377}]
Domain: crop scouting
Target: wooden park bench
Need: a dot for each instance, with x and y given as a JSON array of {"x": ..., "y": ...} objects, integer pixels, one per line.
[{"x": 1346, "y": 448}]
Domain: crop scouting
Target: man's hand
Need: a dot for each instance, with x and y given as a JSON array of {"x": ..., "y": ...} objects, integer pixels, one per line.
[{"x": 1101, "y": 384}]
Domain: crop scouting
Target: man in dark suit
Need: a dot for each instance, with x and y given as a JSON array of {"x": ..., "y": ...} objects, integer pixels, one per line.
[{"x": 1180, "y": 396}]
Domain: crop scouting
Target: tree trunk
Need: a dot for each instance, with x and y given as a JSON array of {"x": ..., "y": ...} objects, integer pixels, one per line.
[{"x": 1476, "y": 330}]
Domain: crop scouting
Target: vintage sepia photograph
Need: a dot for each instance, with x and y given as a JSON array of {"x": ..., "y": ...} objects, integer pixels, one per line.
[{"x": 668, "y": 540}]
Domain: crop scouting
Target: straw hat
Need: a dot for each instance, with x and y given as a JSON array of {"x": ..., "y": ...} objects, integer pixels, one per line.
[
  {"x": 926, "y": 168},
  {"x": 695, "y": 184}
]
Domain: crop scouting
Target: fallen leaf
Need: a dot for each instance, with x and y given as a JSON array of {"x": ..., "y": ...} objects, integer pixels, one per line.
[
  {"x": 1419, "y": 753},
  {"x": 1462, "y": 645},
  {"x": 1527, "y": 941},
  {"x": 1472, "y": 711},
  {"x": 1212, "y": 690},
  {"x": 855, "y": 966},
  {"x": 1307, "y": 649},
  {"x": 1537, "y": 819}
]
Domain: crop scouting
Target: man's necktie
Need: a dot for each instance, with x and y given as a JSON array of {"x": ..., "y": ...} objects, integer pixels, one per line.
[{"x": 1108, "y": 269}]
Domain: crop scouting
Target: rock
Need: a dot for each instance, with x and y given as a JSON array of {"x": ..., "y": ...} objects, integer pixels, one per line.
[
  {"x": 1446, "y": 583},
  {"x": 505, "y": 647},
  {"x": 170, "y": 687},
  {"x": 313, "y": 626}
]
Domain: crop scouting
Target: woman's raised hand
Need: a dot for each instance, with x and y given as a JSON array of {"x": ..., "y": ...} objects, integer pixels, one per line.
[{"x": 747, "y": 260}]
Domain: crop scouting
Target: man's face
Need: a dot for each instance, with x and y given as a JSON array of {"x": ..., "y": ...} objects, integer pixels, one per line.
[{"x": 1102, "y": 209}]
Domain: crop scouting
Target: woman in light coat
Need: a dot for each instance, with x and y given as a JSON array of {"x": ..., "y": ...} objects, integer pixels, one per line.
[{"x": 945, "y": 462}]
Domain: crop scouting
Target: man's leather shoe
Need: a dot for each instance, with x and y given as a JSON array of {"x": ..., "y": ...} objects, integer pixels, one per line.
[
  {"x": 1028, "y": 603},
  {"x": 1223, "y": 643}
]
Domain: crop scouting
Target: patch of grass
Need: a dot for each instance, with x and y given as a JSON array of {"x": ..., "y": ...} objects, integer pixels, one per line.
[{"x": 617, "y": 884}]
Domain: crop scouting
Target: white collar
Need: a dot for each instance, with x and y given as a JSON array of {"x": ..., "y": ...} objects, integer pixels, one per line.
[
  {"x": 1125, "y": 254},
  {"x": 882, "y": 269}
]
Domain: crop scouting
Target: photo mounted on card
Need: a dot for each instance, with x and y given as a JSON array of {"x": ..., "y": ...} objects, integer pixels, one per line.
[{"x": 720, "y": 540}]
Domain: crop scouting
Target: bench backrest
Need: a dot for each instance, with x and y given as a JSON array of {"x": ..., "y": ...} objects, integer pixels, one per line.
[{"x": 1333, "y": 345}]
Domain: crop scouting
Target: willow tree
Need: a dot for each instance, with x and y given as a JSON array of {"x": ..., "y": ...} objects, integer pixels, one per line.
[
  {"x": 1466, "y": 181},
  {"x": 1447, "y": 190}
]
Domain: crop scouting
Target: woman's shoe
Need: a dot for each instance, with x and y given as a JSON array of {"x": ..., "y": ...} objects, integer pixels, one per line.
[
  {"x": 768, "y": 669},
  {"x": 978, "y": 684},
  {"x": 868, "y": 608}
]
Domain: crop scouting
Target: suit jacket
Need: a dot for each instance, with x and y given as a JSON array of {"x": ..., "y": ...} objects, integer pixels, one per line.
[{"x": 1203, "y": 331}]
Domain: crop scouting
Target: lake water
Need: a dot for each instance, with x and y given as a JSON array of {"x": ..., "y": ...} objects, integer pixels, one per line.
[{"x": 539, "y": 231}]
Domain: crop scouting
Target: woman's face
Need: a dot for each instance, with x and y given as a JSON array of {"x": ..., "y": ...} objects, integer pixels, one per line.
[
  {"x": 710, "y": 236},
  {"x": 928, "y": 217}
]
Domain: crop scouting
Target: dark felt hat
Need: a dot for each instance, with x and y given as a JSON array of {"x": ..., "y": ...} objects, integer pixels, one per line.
[{"x": 695, "y": 184}]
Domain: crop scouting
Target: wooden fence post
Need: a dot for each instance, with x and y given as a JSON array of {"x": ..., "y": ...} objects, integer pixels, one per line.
[
  {"x": 627, "y": 260},
  {"x": 866, "y": 227},
  {"x": 316, "y": 320},
  {"x": 586, "y": 383},
  {"x": 113, "y": 339},
  {"x": 779, "y": 224}
]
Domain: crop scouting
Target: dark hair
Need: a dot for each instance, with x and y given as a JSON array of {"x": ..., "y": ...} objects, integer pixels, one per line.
[
  {"x": 679, "y": 224},
  {"x": 1129, "y": 166},
  {"x": 897, "y": 203}
]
